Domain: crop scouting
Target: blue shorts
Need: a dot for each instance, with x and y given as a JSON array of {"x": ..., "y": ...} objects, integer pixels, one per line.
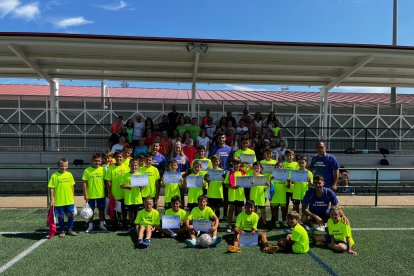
[
  {"x": 61, "y": 210},
  {"x": 97, "y": 202}
]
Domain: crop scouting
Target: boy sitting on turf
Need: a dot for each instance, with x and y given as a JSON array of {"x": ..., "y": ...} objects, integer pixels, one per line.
[
  {"x": 147, "y": 222},
  {"x": 202, "y": 212},
  {"x": 298, "y": 241},
  {"x": 247, "y": 222},
  {"x": 176, "y": 210}
]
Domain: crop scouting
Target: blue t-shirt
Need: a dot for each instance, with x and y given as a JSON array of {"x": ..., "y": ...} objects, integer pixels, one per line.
[
  {"x": 325, "y": 166},
  {"x": 320, "y": 205},
  {"x": 139, "y": 150},
  {"x": 182, "y": 167},
  {"x": 224, "y": 153},
  {"x": 159, "y": 161}
]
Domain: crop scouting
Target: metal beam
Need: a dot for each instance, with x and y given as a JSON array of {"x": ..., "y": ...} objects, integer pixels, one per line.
[
  {"x": 194, "y": 84},
  {"x": 348, "y": 73},
  {"x": 18, "y": 52}
]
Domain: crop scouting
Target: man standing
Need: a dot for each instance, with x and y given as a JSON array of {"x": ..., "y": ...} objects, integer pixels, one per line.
[
  {"x": 325, "y": 164},
  {"x": 172, "y": 118}
]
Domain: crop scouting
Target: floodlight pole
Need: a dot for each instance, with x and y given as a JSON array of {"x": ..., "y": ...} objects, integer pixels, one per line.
[{"x": 394, "y": 43}]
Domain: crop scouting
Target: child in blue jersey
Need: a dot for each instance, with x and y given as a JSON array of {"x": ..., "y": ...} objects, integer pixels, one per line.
[{"x": 62, "y": 191}]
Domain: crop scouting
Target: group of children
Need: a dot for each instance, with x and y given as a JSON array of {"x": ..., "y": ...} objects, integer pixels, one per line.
[{"x": 133, "y": 188}]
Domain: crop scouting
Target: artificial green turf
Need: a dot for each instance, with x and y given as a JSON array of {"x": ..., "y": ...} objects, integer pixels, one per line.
[{"x": 380, "y": 252}]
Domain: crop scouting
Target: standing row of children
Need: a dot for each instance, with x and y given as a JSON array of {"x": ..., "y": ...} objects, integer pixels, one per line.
[{"x": 114, "y": 179}]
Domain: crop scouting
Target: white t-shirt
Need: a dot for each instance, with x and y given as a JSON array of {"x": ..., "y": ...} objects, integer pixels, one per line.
[
  {"x": 203, "y": 141},
  {"x": 138, "y": 130},
  {"x": 242, "y": 130},
  {"x": 117, "y": 147},
  {"x": 210, "y": 129}
]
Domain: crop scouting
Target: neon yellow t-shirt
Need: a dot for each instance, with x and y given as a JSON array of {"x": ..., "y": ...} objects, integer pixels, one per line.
[
  {"x": 115, "y": 174},
  {"x": 145, "y": 218},
  {"x": 62, "y": 183},
  {"x": 270, "y": 162},
  {"x": 194, "y": 193},
  {"x": 290, "y": 166},
  {"x": 126, "y": 161},
  {"x": 300, "y": 188},
  {"x": 215, "y": 188},
  {"x": 153, "y": 177},
  {"x": 181, "y": 130},
  {"x": 340, "y": 231},
  {"x": 239, "y": 152},
  {"x": 301, "y": 239},
  {"x": 133, "y": 196},
  {"x": 194, "y": 131},
  {"x": 257, "y": 194},
  {"x": 95, "y": 179},
  {"x": 279, "y": 196},
  {"x": 171, "y": 190},
  {"x": 247, "y": 222},
  {"x": 234, "y": 194},
  {"x": 208, "y": 161},
  {"x": 181, "y": 213},
  {"x": 197, "y": 214}
]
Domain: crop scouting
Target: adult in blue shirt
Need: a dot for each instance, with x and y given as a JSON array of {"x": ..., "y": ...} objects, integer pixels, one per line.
[
  {"x": 317, "y": 202},
  {"x": 325, "y": 164},
  {"x": 158, "y": 160}
]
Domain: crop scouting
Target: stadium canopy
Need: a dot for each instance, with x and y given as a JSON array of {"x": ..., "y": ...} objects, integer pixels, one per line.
[{"x": 187, "y": 60}]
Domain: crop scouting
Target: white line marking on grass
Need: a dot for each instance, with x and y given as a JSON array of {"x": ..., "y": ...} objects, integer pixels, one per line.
[
  {"x": 21, "y": 255},
  {"x": 19, "y": 233},
  {"x": 382, "y": 229}
]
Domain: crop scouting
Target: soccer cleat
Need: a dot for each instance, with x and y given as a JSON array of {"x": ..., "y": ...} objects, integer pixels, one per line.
[
  {"x": 233, "y": 249},
  {"x": 146, "y": 242},
  {"x": 90, "y": 229},
  {"x": 102, "y": 228},
  {"x": 271, "y": 249},
  {"x": 215, "y": 241},
  {"x": 191, "y": 243},
  {"x": 72, "y": 233},
  {"x": 61, "y": 234},
  {"x": 229, "y": 228}
]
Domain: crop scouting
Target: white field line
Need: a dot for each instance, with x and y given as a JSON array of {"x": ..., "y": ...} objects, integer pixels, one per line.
[
  {"x": 19, "y": 233},
  {"x": 383, "y": 229},
  {"x": 21, "y": 255}
]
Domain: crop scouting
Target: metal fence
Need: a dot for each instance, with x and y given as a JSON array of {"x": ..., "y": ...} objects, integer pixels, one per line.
[{"x": 94, "y": 137}]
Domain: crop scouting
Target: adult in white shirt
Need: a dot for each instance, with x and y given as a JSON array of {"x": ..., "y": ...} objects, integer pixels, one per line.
[{"x": 139, "y": 127}]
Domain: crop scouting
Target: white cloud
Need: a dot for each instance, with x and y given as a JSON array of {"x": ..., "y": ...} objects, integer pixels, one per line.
[
  {"x": 362, "y": 89},
  {"x": 28, "y": 12},
  {"x": 70, "y": 22},
  {"x": 7, "y": 6},
  {"x": 114, "y": 6},
  {"x": 243, "y": 88}
]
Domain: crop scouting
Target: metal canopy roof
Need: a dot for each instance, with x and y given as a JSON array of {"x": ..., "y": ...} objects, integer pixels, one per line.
[{"x": 104, "y": 57}]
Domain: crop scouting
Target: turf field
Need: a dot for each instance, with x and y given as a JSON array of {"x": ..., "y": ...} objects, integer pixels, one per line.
[{"x": 383, "y": 240}]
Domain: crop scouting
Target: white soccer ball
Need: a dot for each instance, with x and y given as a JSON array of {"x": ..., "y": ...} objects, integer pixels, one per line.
[
  {"x": 204, "y": 241},
  {"x": 86, "y": 213}
]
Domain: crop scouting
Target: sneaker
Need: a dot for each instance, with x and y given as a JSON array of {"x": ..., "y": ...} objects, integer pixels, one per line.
[
  {"x": 191, "y": 243},
  {"x": 90, "y": 229},
  {"x": 61, "y": 234},
  {"x": 173, "y": 235},
  {"x": 146, "y": 242},
  {"x": 139, "y": 243},
  {"x": 215, "y": 241},
  {"x": 102, "y": 228},
  {"x": 271, "y": 249},
  {"x": 233, "y": 249},
  {"x": 72, "y": 233},
  {"x": 229, "y": 228}
]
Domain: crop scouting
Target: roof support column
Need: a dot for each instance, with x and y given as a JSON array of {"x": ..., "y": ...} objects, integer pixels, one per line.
[
  {"x": 324, "y": 100},
  {"x": 194, "y": 84},
  {"x": 54, "y": 113}
]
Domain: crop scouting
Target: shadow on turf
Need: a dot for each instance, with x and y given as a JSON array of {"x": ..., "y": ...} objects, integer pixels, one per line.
[{"x": 27, "y": 236}]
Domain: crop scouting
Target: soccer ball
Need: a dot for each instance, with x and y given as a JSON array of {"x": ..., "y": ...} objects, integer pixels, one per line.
[
  {"x": 86, "y": 213},
  {"x": 205, "y": 241}
]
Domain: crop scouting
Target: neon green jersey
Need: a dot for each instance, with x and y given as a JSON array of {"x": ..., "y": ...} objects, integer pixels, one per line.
[
  {"x": 279, "y": 196},
  {"x": 62, "y": 183},
  {"x": 153, "y": 177},
  {"x": 300, "y": 239},
  {"x": 300, "y": 188},
  {"x": 114, "y": 174},
  {"x": 181, "y": 213},
  {"x": 95, "y": 182},
  {"x": 234, "y": 194},
  {"x": 194, "y": 193},
  {"x": 290, "y": 166},
  {"x": 145, "y": 218},
  {"x": 340, "y": 231},
  {"x": 215, "y": 188},
  {"x": 197, "y": 214},
  {"x": 247, "y": 222},
  {"x": 133, "y": 196}
]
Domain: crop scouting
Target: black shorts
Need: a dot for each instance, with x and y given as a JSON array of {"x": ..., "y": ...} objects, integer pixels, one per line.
[
  {"x": 237, "y": 203},
  {"x": 215, "y": 202},
  {"x": 191, "y": 206},
  {"x": 134, "y": 207},
  {"x": 260, "y": 207},
  {"x": 225, "y": 193},
  {"x": 297, "y": 201},
  {"x": 289, "y": 197}
]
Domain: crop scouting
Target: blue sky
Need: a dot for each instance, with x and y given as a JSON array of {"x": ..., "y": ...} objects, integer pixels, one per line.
[{"x": 331, "y": 21}]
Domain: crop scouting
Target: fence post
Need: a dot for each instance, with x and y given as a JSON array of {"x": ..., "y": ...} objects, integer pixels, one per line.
[
  {"x": 44, "y": 137},
  {"x": 48, "y": 190},
  {"x": 376, "y": 186}
]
